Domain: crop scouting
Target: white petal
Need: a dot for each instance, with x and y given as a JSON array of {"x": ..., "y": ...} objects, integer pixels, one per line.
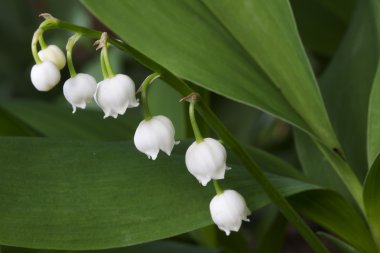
[
  {"x": 53, "y": 54},
  {"x": 145, "y": 140},
  {"x": 116, "y": 94},
  {"x": 206, "y": 159},
  {"x": 45, "y": 76},
  {"x": 164, "y": 133},
  {"x": 79, "y": 89},
  {"x": 228, "y": 210},
  {"x": 153, "y": 135}
]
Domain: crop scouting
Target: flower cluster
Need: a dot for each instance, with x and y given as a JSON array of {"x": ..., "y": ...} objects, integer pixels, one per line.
[
  {"x": 205, "y": 158},
  {"x": 114, "y": 94}
]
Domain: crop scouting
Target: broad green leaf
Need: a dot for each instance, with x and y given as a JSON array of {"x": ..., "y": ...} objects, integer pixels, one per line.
[
  {"x": 342, "y": 246},
  {"x": 321, "y": 164},
  {"x": 208, "y": 44},
  {"x": 11, "y": 126},
  {"x": 373, "y": 136},
  {"x": 371, "y": 196},
  {"x": 346, "y": 86},
  {"x": 77, "y": 195},
  {"x": 315, "y": 166},
  {"x": 153, "y": 247},
  {"x": 273, "y": 164},
  {"x": 374, "y": 103},
  {"x": 58, "y": 121},
  {"x": 334, "y": 213}
]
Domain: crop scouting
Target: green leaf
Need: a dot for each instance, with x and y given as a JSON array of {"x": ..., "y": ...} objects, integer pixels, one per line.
[
  {"x": 11, "y": 126},
  {"x": 346, "y": 86},
  {"x": 212, "y": 44},
  {"x": 315, "y": 166},
  {"x": 58, "y": 121},
  {"x": 371, "y": 197},
  {"x": 319, "y": 155},
  {"x": 374, "y": 103},
  {"x": 342, "y": 246},
  {"x": 153, "y": 247},
  {"x": 333, "y": 212},
  {"x": 80, "y": 195}
]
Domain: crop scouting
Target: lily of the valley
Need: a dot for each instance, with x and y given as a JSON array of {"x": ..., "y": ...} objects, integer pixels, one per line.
[
  {"x": 53, "y": 54},
  {"x": 45, "y": 76},
  {"x": 206, "y": 160},
  {"x": 115, "y": 94},
  {"x": 228, "y": 210},
  {"x": 155, "y": 134},
  {"x": 79, "y": 90}
]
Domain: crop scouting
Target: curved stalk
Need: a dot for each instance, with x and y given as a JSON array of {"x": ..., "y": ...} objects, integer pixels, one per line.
[
  {"x": 36, "y": 36},
  {"x": 69, "y": 50},
  {"x": 194, "y": 125},
  {"x": 144, "y": 94},
  {"x": 103, "y": 66},
  {"x": 42, "y": 42},
  {"x": 276, "y": 197}
]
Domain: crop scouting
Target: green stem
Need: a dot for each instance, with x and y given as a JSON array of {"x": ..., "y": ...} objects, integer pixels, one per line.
[
  {"x": 276, "y": 197},
  {"x": 42, "y": 42},
  {"x": 103, "y": 66},
  {"x": 144, "y": 94},
  {"x": 107, "y": 60},
  {"x": 69, "y": 49},
  {"x": 283, "y": 205},
  {"x": 218, "y": 188},
  {"x": 194, "y": 125},
  {"x": 35, "y": 39}
]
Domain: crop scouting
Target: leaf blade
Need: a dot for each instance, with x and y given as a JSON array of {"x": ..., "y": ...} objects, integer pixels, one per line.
[
  {"x": 371, "y": 196},
  {"x": 197, "y": 37},
  {"x": 93, "y": 195}
]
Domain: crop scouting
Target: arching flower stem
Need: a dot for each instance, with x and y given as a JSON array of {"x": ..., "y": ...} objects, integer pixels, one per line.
[
  {"x": 192, "y": 99},
  {"x": 144, "y": 94},
  {"x": 103, "y": 65},
  {"x": 36, "y": 36},
  {"x": 42, "y": 41},
  {"x": 69, "y": 49}
]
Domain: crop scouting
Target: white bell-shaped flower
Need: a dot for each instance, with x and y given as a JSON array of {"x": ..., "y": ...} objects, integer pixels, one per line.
[
  {"x": 79, "y": 90},
  {"x": 154, "y": 135},
  {"x": 228, "y": 209},
  {"x": 206, "y": 160},
  {"x": 114, "y": 95},
  {"x": 45, "y": 76},
  {"x": 53, "y": 54}
]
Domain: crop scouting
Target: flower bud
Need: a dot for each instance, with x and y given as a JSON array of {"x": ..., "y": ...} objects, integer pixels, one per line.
[
  {"x": 155, "y": 134},
  {"x": 228, "y": 209},
  {"x": 114, "y": 95},
  {"x": 206, "y": 160},
  {"x": 79, "y": 90},
  {"x": 45, "y": 76},
  {"x": 53, "y": 54}
]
